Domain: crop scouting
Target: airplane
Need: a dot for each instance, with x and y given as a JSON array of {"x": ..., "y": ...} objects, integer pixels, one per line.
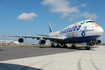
[{"x": 86, "y": 31}]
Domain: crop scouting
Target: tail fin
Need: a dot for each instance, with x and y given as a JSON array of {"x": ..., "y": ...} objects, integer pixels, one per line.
[{"x": 50, "y": 28}]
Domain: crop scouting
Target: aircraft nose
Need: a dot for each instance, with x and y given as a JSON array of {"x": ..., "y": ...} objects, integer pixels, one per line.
[{"x": 99, "y": 30}]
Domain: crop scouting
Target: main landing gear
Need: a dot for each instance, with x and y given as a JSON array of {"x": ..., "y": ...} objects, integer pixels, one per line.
[
  {"x": 58, "y": 45},
  {"x": 52, "y": 45},
  {"x": 73, "y": 46},
  {"x": 64, "y": 46}
]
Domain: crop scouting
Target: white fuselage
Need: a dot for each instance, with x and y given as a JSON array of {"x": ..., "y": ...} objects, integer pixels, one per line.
[{"x": 85, "y": 30}]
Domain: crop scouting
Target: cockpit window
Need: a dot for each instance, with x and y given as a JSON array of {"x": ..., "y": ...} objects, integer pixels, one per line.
[{"x": 89, "y": 21}]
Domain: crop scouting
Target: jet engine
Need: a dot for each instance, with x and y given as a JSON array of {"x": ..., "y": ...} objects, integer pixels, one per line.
[
  {"x": 42, "y": 41},
  {"x": 98, "y": 42},
  {"x": 21, "y": 40}
]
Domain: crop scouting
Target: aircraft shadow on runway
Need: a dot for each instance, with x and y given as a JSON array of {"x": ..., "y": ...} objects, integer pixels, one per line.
[{"x": 6, "y": 66}]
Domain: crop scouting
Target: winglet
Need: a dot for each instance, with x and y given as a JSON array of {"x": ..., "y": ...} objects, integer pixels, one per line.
[{"x": 50, "y": 28}]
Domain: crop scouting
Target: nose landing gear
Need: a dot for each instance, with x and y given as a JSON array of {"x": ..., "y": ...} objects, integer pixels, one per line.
[
  {"x": 87, "y": 47},
  {"x": 73, "y": 46}
]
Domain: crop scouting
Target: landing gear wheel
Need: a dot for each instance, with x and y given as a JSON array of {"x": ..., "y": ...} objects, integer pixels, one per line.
[
  {"x": 57, "y": 45},
  {"x": 73, "y": 46},
  {"x": 53, "y": 45},
  {"x": 64, "y": 46},
  {"x": 88, "y": 48}
]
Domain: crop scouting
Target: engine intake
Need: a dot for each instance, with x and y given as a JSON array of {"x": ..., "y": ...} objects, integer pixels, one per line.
[
  {"x": 21, "y": 40},
  {"x": 98, "y": 42},
  {"x": 42, "y": 42}
]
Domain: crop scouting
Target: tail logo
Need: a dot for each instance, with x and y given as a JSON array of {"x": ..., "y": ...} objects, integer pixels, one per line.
[{"x": 50, "y": 28}]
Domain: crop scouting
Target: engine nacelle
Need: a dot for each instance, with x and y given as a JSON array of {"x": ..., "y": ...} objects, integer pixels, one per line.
[
  {"x": 21, "y": 40},
  {"x": 42, "y": 42},
  {"x": 98, "y": 42}
]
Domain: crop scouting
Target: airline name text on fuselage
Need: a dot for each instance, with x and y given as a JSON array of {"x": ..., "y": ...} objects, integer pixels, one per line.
[{"x": 75, "y": 28}]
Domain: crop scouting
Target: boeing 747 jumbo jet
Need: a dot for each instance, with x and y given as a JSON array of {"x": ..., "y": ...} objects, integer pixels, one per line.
[{"x": 85, "y": 31}]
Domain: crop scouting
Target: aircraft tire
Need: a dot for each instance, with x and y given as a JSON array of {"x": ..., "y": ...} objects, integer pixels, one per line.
[
  {"x": 88, "y": 48},
  {"x": 64, "y": 46},
  {"x": 58, "y": 45},
  {"x": 73, "y": 46},
  {"x": 52, "y": 45}
]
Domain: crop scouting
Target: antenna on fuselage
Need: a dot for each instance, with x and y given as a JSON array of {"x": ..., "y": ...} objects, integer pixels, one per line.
[{"x": 50, "y": 28}]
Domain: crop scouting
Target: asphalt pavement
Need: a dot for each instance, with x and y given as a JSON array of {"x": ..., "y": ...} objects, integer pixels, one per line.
[{"x": 47, "y": 58}]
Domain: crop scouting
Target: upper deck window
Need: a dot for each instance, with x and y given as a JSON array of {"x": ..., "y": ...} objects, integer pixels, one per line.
[{"x": 89, "y": 21}]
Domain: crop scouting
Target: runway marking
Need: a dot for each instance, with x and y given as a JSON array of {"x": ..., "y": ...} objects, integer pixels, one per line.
[
  {"x": 54, "y": 60},
  {"x": 25, "y": 67},
  {"x": 91, "y": 60},
  {"x": 79, "y": 62},
  {"x": 34, "y": 63}
]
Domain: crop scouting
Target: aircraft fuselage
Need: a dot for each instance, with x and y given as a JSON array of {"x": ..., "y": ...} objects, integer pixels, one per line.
[{"x": 79, "y": 32}]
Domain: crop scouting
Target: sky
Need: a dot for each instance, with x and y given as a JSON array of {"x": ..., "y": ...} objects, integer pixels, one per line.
[{"x": 31, "y": 17}]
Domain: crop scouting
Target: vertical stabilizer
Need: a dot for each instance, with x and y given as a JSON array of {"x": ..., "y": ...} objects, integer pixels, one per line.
[{"x": 50, "y": 28}]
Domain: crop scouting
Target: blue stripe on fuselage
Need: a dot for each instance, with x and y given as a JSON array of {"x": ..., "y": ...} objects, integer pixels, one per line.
[{"x": 79, "y": 39}]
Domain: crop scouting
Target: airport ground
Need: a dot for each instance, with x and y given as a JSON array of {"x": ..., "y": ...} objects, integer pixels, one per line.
[{"x": 34, "y": 57}]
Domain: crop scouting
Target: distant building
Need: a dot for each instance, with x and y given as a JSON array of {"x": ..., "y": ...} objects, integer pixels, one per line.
[
  {"x": 16, "y": 42},
  {"x": 6, "y": 42}
]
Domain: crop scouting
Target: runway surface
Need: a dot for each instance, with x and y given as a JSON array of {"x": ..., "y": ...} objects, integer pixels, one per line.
[{"x": 47, "y": 58}]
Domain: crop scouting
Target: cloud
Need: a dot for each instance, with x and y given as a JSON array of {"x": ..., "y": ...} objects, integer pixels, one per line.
[
  {"x": 70, "y": 19},
  {"x": 1, "y": 7},
  {"x": 60, "y": 6},
  {"x": 86, "y": 15},
  {"x": 64, "y": 7},
  {"x": 25, "y": 16},
  {"x": 74, "y": 17},
  {"x": 89, "y": 16},
  {"x": 64, "y": 15},
  {"x": 83, "y": 5}
]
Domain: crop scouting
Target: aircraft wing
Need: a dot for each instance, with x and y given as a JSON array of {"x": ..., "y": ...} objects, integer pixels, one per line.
[
  {"x": 54, "y": 38},
  {"x": 42, "y": 35},
  {"x": 23, "y": 36},
  {"x": 46, "y": 38}
]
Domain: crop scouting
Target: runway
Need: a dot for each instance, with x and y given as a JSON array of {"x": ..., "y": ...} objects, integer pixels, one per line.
[{"x": 47, "y": 58}]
